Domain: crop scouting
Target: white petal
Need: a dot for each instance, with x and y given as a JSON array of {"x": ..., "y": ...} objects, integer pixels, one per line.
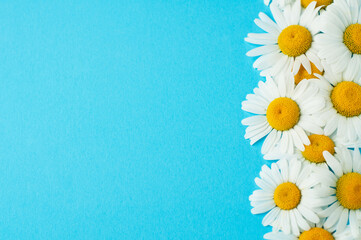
[
  {"x": 264, "y": 207},
  {"x": 333, "y": 163},
  {"x": 271, "y": 216},
  {"x": 308, "y": 214},
  {"x": 355, "y": 228},
  {"x": 341, "y": 225},
  {"x": 334, "y": 217},
  {"x": 254, "y": 120}
]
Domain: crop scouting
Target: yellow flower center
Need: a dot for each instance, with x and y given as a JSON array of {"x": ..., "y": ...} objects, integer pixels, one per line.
[
  {"x": 352, "y": 38},
  {"x": 283, "y": 114},
  {"x": 348, "y": 190},
  {"x": 346, "y": 98},
  {"x": 287, "y": 196},
  {"x": 319, "y": 143},
  {"x": 303, "y": 74},
  {"x": 305, "y": 3},
  {"x": 294, "y": 40},
  {"x": 316, "y": 234}
]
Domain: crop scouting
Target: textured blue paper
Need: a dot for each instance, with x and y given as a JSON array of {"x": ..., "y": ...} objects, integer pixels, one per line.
[{"x": 122, "y": 120}]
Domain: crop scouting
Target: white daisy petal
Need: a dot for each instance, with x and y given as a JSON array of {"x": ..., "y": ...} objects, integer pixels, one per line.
[
  {"x": 310, "y": 127},
  {"x": 260, "y": 135},
  {"x": 333, "y": 163},
  {"x": 294, "y": 226},
  {"x": 342, "y": 221},
  {"x": 301, "y": 133},
  {"x": 286, "y": 222},
  {"x": 270, "y": 216},
  {"x": 331, "y": 125},
  {"x": 355, "y": 227},
  {"x": 254, "y": 120},
  {"x": 263, "y": 207},
  {"x": 334, "y": 217},
  {"x": 306, "y": 63},
  {"x": 297, "y": 140},
  {"x": 262, "y": 50},
  {"x": 308, "y": 214},
  {"x": 328, "y": 211}
]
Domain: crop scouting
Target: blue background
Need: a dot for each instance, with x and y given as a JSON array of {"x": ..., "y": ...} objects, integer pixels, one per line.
[{"x": 122, "y": 120}]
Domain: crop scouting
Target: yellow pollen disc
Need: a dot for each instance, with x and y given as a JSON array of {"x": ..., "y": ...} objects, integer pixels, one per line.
[
  {"x": 294, "y": 40},
  {"x": 346, "y": 98},
  {"x": 319, "y": 143},
  {"x": 348, "y": 190},
  {"x": 316, "y": 234},
  {"x": 303, "y": 74},
  {"x": 352, "y": 38},
  {"x": 305, "y": 3},
  {"x": 283, "y": 113},
  {"x": 287, "y": 196}
]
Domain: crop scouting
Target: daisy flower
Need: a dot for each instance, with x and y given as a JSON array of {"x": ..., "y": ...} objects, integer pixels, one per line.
[
  {"x": 302, "y": 73},
  {"x": 288, "y": 42},
  {"x": 343, "y": 197},
  {"x": 284, "y": 114},
  {"x": 339, "y": 43},
  {"x": 287, "y": 196},
  {"x": 312, "y": 153},
  {"x": 304, "y": 3},
  {"x": 318, "y": 231},
  {"x": 342, "y": 113}
]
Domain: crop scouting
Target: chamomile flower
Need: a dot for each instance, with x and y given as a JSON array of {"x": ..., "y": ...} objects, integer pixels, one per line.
[
  {"x": 343, "y": 197},
  {"x": 288, "y": 42},
  {"x": 288, "y": 197},
  {"x": 339, "y": 43},
  {"x": 302, "y": 73},
  {"x": 342, "y": 113},
  {"x": 313, "y": 153},
  {"x": 304, "y": 3},
  {"x": 317, "y": 231},
  {"x": 284, "y": 114}
]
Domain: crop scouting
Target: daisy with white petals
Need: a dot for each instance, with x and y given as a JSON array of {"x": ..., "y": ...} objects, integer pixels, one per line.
[
  {"x": 312, "y": 153},
  {"x": 316, "y": 232},
  {"x": 342, "y": 114},
  {"x": 288, "y": 43},
  {"x": 288, "y": 197},
  {"x": 343, "y": 195},
  {"x": 315, "y": 72},
  {"x": 339, "y": 44},
  {"x": 284, "y": 113}
]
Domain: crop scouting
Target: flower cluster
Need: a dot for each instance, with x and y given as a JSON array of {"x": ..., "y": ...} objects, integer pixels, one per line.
[{"x": 308, "y": 111}]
